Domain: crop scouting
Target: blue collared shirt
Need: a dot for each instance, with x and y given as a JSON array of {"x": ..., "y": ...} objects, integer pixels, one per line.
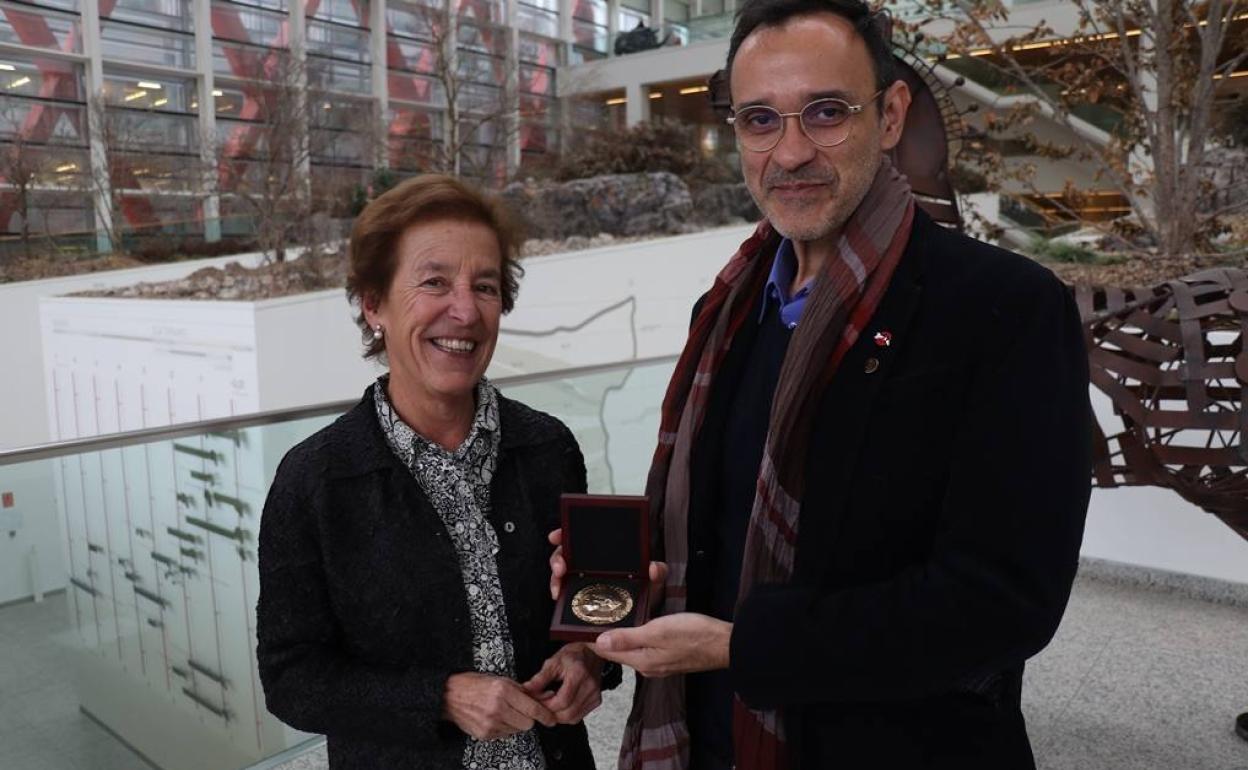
[{"x": 783, "y": 270}]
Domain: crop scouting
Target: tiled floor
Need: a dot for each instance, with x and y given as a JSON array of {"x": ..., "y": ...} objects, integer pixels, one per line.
[
  {"x": 41, "y": 727},
  {"x": 1136, "y": 679}
]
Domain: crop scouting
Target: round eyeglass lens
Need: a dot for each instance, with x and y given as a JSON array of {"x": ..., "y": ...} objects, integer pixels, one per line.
[
  {"x": 758, "y": 127},
  {"x": 826, "y": 121}
]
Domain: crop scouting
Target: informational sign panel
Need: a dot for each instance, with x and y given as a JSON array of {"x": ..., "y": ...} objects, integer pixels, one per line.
[{"x": 160, "y": 539}]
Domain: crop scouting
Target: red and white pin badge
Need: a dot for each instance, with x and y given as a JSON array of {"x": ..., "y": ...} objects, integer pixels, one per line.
[{"x": 883, "y": 339}]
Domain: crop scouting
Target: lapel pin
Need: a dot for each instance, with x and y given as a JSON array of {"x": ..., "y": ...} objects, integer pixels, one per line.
[{"x": 883, "y": 339}]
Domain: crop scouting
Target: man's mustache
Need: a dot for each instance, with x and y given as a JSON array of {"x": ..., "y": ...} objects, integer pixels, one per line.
[{"x": 821, "y": 177}]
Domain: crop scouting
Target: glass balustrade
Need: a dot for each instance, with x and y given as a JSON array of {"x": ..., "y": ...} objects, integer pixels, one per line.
[{"x": 145, "y": 547}]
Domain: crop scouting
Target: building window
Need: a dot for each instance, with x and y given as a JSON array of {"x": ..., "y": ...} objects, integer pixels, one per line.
[{"x": 40, "y": 28}]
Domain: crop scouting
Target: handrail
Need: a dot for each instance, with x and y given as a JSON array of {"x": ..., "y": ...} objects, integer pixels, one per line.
[
  {"x": 276, "y": 761},
  {"x": 181, "y": 430}
]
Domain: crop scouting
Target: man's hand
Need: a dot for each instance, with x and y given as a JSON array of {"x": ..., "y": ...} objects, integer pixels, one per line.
[
  {"x": 673, "y": 644},
  {"x": 489, "y": 707},
  {"x": 559, "y": 568},
  {"x": 579, "y": 673}
]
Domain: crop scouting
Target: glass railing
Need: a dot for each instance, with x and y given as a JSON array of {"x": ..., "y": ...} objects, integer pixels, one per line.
[
  {"x": 141, "y": 549},
  {"x": 711, "y": 26},
  {"x": 671, "y": 33}
]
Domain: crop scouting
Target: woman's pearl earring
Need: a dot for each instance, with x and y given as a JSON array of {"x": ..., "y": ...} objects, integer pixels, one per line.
[{"x": 378, "y": 333}]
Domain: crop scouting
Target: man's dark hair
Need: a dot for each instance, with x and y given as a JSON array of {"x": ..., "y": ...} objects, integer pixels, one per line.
[{"x": 871, "y": 26}]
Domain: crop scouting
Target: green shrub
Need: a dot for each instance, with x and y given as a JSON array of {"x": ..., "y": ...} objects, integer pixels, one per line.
[
  {"x": 1234, "y": 122},
  {"x": 658, "y": 145},
  {"x": 383, "y": 180},
  {"x": 169, "y": 248},
  {"x": 359, "y": 196},
  {"x": 1047, "y": 250}
]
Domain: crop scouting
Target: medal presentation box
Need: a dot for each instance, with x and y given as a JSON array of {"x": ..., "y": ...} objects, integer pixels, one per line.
[{"x": 606, "y": 545}]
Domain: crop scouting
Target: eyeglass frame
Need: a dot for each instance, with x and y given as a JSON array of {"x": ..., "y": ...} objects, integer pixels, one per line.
[{"x": 854, "y": 109}]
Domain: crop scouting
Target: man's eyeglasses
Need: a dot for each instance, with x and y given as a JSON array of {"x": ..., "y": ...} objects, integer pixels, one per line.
[{"x": 824, "y": 121}]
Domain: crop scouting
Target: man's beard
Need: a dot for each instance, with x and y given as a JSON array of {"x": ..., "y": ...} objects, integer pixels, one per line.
[
  {"x": 842, "y": 202},
  {"x": 810, "y": 222}
]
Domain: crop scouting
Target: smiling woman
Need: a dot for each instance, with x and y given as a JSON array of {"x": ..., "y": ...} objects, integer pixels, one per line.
[
  {"x": 433, "y": 267},
  {"x": 402, "y": 606},
  {"x": 441, "y": 315}
]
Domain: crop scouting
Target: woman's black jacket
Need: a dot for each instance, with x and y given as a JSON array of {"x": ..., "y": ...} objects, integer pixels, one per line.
[{"x": 362, "y": 613}]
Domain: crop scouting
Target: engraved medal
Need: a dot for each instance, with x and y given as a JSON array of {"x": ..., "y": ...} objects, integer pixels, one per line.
[{"x": 601, "y": 604}]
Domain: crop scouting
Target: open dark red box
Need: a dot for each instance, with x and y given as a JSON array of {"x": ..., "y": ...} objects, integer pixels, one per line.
[{"x": 606, "y": 540}]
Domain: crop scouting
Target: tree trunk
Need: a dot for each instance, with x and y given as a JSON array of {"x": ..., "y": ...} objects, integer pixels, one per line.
[{"x": 23, "y": 208}]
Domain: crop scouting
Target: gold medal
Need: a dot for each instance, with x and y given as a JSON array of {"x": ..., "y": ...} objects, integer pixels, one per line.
[{"x": 600, "y": 604}]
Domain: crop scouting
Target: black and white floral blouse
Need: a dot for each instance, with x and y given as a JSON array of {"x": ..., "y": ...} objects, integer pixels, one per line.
[{"x": 457, "y": 484}]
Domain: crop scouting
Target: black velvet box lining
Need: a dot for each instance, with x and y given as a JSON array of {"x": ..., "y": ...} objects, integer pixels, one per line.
[{"x": 604, "y": 538}]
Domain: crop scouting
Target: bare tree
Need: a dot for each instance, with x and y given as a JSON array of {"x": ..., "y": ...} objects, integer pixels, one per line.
[
  {"x": 346, "y": 140},
  {"x": 264, "y": 161},
  {"x": 132, "y": 150},
  {"x": 109, "y": 174},
  {"x": 22, "y": 165},
  {"x": 481, "y": 113},
  {"x": 1151, "y": 68}
]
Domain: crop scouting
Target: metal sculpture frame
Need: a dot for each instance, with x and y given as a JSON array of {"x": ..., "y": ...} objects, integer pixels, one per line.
[{"x": 1172, "y": 360}]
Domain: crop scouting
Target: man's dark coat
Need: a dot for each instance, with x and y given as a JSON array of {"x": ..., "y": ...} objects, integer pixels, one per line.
[
  {"x": 946, "y": 488},
  {"x": 363, "y": 614}
]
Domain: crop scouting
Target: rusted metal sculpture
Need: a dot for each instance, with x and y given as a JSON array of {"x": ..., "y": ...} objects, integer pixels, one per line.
[
  {"x": 933, "y": 125},
  {"x": 1172, "y": 361}
]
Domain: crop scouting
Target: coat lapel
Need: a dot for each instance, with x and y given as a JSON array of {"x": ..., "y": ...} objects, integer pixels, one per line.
[{"x": 844, "y": 416}]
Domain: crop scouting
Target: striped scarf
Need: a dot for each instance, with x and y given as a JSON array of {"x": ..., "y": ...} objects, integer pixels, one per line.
[{"x": 841, "y": 303}]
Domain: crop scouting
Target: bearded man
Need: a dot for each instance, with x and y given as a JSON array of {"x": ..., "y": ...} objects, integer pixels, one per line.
[{"x": 874, "y": 453}]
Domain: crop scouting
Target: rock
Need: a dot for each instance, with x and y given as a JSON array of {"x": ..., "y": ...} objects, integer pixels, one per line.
[
  {"x": 617, "y": 204},
  {"x": 236, "y": 282},
  {"x": 536, "y": 247},
  {"x": 725, "y": 204},
  {"x": 1228, "y": 167},
  {"x": 1133, "y": 240}
]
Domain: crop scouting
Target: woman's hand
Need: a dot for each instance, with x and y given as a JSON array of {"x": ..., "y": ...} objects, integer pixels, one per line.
[
  {"x": 579, "y": 673},
  {"x": 489, "y": 707}
]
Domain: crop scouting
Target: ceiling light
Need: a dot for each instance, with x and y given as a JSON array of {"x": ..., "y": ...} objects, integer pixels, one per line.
[
  {"x": 19, "y": 82},
  {"x": 1050, "y": 43},
  {"x": 149, "y": 84},
  {"x": 694, "y": 90},
  {"x": 7, "y": 67},
  {"x": 615, "y": 101},
  {"x": 160, "y": 102},
  {"x": 656, "y": 94},
  {"x": 135, "y": 95},
  {"x": 67, "y": 167},
  {"x": 218, "y": 93}
]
